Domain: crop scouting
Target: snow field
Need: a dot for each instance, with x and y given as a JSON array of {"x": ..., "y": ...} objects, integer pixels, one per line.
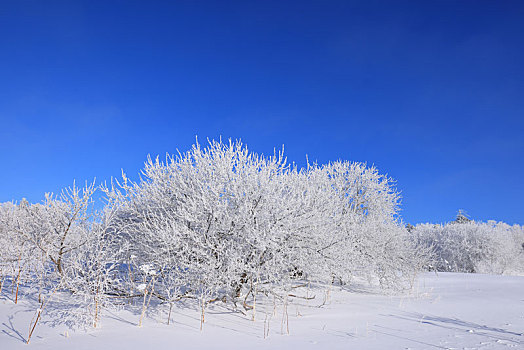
[{"x": 444, "y": 311}]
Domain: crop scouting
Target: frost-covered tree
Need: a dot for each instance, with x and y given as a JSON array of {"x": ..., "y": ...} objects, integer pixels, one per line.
[
  {"x": 22, "y": 261},
  {"x": 219, "y": 222},
  {"x": 462, "y": 217},
  {"x": 59, "y": 225},
  {"x": 470, "y": 246}
]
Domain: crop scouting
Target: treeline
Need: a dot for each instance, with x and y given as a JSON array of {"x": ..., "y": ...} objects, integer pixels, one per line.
[
  {"x": 465, "y": 245},
  {"x": 217, "y": 223},
  {"x": 221, "y": 223}
]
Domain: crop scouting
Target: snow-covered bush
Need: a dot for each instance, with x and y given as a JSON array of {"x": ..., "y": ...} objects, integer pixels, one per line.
[
  {"x": 219, "y": 222},
  {"x": 50, "y": 247},
  {"x": 469, "y": 246},
  {"x": 12, "y": 255},
  {"x": 22, "y": 260}
]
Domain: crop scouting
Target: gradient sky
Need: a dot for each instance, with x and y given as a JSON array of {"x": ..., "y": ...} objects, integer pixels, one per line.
[{"x": 431, "y": 92}]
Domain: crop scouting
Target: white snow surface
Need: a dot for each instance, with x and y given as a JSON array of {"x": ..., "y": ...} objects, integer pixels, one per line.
[{"x": 444, "y": 311}]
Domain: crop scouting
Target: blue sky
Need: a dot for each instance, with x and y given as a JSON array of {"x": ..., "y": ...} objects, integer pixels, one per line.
[{"x": 431, "y": 92}]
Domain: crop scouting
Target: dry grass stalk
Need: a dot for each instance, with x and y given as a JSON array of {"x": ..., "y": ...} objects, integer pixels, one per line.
[
  {"x": 38, "y": 314},
  {"x": 144, "y": 304},
  {"x": 169, "y": 314},
  {"x": 285, "y": 318},
  {"x": 203, "y": 313},
  {"x": 18, "y": 276}
]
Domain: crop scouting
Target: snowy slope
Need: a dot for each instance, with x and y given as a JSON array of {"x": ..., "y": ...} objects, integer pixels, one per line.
[{"x": 448, "y": 311}]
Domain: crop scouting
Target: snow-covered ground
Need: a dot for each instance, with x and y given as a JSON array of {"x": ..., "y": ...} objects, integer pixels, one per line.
[{"x": 448, "y": 311}]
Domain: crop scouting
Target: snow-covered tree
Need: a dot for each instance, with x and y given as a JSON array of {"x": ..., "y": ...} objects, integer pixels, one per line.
[
  {"x": 470, "y": 246},
  {"x": 220, "y": 221}
]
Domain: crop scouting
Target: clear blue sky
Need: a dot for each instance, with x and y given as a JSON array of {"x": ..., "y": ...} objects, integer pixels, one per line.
[{"x": 431, "y": 92}]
